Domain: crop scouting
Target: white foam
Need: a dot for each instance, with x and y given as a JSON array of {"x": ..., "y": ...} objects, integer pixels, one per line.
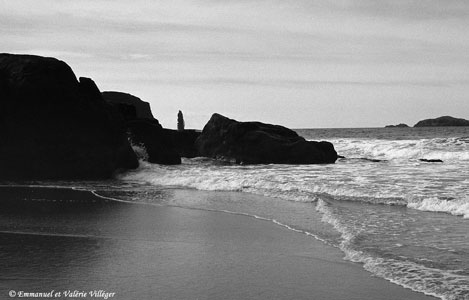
[
  {"x": 293, "y": 185},
  {"x": 307, "y": 183},
  {"x": 140, "y": 151},
  {"x": 446, "y": 149},
  {"x": 109, "y": 198},
  {"x": 446, "y": 285},
  {"x": 457, "y": 207},
  {"x": 347, "y": 235},
  {"x": 263, "y": 219}
]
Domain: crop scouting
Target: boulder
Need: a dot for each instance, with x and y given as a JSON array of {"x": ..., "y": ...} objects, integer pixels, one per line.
[
  {"x": 127, "y": 111},
  {"x": 259, "y": 143},
  {"x": 53, "y": 126},
  {"x": 184, "y": 141},
  {"x": 153, "y": 138},
  {"x": 144, "y": 130},
  {"x": 442, "y": 121},
  {"x": 142, "y": 108}
]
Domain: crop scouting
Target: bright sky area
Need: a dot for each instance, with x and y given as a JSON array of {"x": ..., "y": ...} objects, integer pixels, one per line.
[{"x": 298, "y": 63}]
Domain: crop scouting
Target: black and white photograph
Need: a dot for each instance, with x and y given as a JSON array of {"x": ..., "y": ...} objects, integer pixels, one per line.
[{"x": 233, "y": 150}]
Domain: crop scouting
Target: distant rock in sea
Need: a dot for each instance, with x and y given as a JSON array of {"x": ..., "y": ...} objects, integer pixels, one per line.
[
  {"x": 430, "y": 160},
  {"x": 53, "y": 126},
  {"x": 442, "y": 121},
  {"x": 401, "y": 125},
  {"x": 259, "y": 143}
]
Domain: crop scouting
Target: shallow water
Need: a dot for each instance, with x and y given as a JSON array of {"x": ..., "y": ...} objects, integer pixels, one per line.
[
  {"x": 75, "y": 242},
  {"x": 403, "y": 219}
]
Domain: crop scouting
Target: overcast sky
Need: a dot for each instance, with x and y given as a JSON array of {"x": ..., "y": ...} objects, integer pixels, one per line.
[{"x": 299, "y": 63}]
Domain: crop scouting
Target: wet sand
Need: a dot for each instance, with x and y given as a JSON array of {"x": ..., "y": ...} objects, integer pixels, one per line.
[{"x": 150, "y": 252}]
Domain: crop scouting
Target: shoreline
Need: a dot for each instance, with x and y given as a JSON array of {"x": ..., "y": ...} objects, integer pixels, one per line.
[{"x": 147, "y": 251}]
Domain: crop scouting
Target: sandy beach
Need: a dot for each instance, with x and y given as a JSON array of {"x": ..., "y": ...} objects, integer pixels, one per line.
[
  {"x": 198, "y": 149},
  {"x": 156, "y": 252}
]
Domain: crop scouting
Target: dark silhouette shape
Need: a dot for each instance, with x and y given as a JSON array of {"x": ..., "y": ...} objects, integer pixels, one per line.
[
  {"x": 431, "y": 160},
  {"x": 184, "y": 141},
  {"x": 53, "y": 126},
  {"x": 259, "y": 143},
  {"x": 142, "y": 108},
  {"x": 163, "y": 146},
  {"x": 144, "y": 130},
  {"x": 154, "y": 139},
  {"x": 180, "y": 121},
  {"x": 442, "y": 121},
  {"x": 373, "y": 159},
  {"x": 401, "y": 125}
]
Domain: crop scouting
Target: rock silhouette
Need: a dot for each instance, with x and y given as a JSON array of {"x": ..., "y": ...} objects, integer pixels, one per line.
[
  {"x": 181, "y": 123},
  {"x": 401, "y": 125},
  {"x": 442, "y": 121},
  {"x": 260, "y": 143},
  {"x": 144, "y": 130},
  {"x": 53, "y": 126},
  {"x": 142, "y": 108}
]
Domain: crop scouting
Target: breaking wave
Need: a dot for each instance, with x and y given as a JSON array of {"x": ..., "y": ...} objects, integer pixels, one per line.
[
  {"x": 303, "y": 184},
  {"x": 447, "y": 149},
  {"x": 401, "y": 244},
  {"x": 446, "y": 285},
  {"x": 457, "y": 207}
]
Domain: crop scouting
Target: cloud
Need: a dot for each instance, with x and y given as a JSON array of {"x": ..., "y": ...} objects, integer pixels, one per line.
[
  {"x": 410, "y": 9},
  {"x": 205, "y": 47},
  {"x": 66, "y": 21},
  {"x": 304, "y": 84}
]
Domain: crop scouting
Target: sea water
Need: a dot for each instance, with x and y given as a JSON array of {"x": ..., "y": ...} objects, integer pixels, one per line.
[{"x": 405, "y": 220}]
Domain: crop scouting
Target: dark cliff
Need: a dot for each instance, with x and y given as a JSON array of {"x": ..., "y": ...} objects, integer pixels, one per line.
[{"x": 54, "y": 126}]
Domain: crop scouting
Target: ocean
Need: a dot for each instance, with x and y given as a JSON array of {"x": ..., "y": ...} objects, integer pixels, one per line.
[{"x": 403, "y": 219}]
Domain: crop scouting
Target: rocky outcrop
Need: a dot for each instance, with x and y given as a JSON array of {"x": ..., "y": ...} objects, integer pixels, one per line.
[
  {"x": 53, "y": 126},
  {"x": 142, "y": 108},
  {"x": 442, "y": 121},
  {"x": 401, "y": 125},
  {"x": 259, "y": 143},
  {"x": 161, "y": 146},
  {"x": 184, "y": 141},
  {"x": 153, "y": 138}
]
